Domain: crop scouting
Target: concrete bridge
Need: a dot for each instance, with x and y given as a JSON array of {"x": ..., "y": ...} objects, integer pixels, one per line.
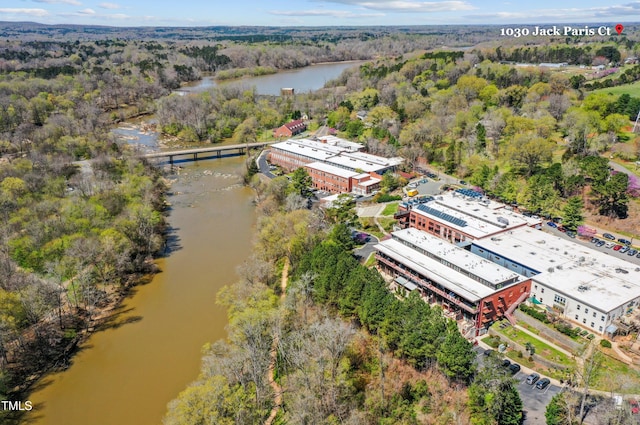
[{"x": 215, "y": 151}]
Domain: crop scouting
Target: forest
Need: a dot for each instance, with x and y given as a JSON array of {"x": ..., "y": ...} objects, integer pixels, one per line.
[{"x": 84, "y": 216}]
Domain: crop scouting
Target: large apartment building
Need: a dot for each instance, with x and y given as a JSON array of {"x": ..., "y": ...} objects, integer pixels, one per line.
[
  {"x": 470, "y": 288},
  {"x": 335, "y": 165}
]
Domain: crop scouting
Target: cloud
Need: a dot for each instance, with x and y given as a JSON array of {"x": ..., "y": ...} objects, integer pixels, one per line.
[
  {"x": 323, "y": 12},
  {"x": 406, "y": 6},
  {"x": 28, "y": 12},
  {"x": 111, "y": 6},
  {"x": 71, "y": 2},
  {"x": 569, "y": 14},
  {"x": 92, "y": 14}
]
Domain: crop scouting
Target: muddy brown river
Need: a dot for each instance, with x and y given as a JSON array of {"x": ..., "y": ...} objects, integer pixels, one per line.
[{"x": 127, "y": 374}]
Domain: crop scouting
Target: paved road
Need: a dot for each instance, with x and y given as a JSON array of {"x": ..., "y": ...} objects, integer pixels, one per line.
[
  {"x": 534, "y": 401},
  {"x": 263, "y": 165},
  {"x": 633, "y": 260},
  {"x": 366, "y": 250}
]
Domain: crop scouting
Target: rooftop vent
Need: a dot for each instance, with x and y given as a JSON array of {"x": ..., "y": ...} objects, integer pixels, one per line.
[{"x": 583, "y": 288}]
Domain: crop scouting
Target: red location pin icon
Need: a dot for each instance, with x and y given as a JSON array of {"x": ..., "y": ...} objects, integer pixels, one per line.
[{"x": 619, "y": 28}]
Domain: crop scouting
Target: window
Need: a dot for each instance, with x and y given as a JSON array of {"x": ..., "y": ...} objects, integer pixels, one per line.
[
  {"x": 576, "y": 317},
  {"x": 600, "y": 328},
  {"x": 560, "y": 300},
  {"x": 592, "y": 324},
  {"x": 594, "y": 314},
  {"x": 540, "y": 299},
  {"x": 584, "y": 321},
  {"x": 578, "y": 308},
  {"x": 535, "y": 287},
  {"x": 602, "y": 318},
  {"x": 586, "y": 311},
  {"x": 542, "y": 290}
]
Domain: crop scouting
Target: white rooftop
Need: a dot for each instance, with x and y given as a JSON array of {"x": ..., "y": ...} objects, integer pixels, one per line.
[
  {"x": 380, "y": 160},
  {"x": 448, "y": 278},
  {"x": 584, "y": 274},
  {"x": 309, "y": 148},
  {"x": 465, "y": 260},
  {"x": 474, "y": 217},
  {"x": 342, "y": 143},
  {"x": 369, "y": 182},
  {"x": 363, "y": 162},
  {"x": 332, "y": 169}
]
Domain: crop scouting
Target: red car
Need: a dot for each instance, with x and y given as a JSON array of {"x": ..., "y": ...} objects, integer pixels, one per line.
[
  {"x": 635, "y": 408},
  {"x": 617, "y": 247}
]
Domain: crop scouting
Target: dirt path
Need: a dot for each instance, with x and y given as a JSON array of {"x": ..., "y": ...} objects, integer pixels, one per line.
[{"x": 277, "y": 389}]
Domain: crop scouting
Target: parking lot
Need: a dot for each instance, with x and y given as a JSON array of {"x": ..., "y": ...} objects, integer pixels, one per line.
[
  {"x": 534, "y": 400},
  {"x": 622, "y": 255}
]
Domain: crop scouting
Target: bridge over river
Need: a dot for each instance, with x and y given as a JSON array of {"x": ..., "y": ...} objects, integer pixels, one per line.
[{"x": 207, "y": 152}]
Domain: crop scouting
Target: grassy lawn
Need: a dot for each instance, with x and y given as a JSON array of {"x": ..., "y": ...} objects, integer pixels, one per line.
[
  {"x": 617, "y": 376},
  {"x": 371, "y": 261},
  {"x": 390, "y": 209},
  {"x": 631, "y": 89},
  {"x": 542, "y": 349},
  {"x": 387, "y": 223}
]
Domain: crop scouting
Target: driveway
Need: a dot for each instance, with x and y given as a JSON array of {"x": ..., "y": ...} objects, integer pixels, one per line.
[
  {"x": 366, "y": 250},
  {"x": 534, "y": 401},
  {"x": 263, "y": 165}
]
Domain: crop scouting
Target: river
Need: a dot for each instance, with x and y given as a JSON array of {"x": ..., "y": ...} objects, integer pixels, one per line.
[
  {"x": 302, "y": 80},
  {"x": 128, "y": 373}
]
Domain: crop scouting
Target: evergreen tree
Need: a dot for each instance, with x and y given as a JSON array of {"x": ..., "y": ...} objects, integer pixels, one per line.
[
  {"x": 572, "y": 213},
  {"x": 301, "y": 182}
]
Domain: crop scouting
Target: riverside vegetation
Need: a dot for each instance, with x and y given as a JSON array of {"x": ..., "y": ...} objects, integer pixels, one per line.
[
  {"x": 347, "y": 351},
  {"x": 81, "y": 215}
]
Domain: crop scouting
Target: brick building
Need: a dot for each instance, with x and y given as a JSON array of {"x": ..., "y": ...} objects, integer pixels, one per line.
[
  {"x": 473, "y": 290},
  {"x": 330, "y": 178},
  {"x": 462, "y": 215},
  {"x": 290, "y": 129}
]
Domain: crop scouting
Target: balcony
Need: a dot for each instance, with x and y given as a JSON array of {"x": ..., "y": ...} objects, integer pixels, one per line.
[{"x": 426, "y": 284}]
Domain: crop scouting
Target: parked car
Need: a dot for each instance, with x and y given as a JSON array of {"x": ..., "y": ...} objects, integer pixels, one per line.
[
  {"x": 600, "y": 243},
  {"x": 624, "y": 249},
  {"x": 632, "y": 252},
  {"x": 609, "y": 236},
  {"x": 543, "y": 383},
  {"x": 506, "y": 363},
  {"x": 595, "y": 240},
  {"x": 609, "y": 245},
  {"x": 533, "y": 378},
  {"x": 571, "y": 234},
  {"x": 624, "y": 241},
  {"x": 635, "y": 407},
  {"x": 562, "y": 229},
  {"x": 488, "y": 352},
  {"x": 552, "y": 224},
  {"x": 514, "y": 368},
  {"x": 617, "y": 247}
]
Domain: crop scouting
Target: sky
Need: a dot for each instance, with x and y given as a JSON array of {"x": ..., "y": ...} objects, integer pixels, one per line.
[{"x": 317, "y": 12}]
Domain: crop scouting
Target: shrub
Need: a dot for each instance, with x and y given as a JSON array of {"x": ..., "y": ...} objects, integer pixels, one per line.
[
  {"x": 520, "y": 355},
  {"x": 536, "y": 314},
  {"x": 567, "y": 329},
  {"x": 605, "y": 343},
  {"x": 385, "y": 197}
]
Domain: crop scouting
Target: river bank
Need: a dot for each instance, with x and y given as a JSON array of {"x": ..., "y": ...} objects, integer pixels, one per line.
[{"x": 128, "y": 371}]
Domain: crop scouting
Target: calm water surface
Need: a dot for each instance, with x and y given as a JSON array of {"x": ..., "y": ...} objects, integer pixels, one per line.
[
  {"x": 302, "y": 80},
  {"x": 128, "y": 374}
]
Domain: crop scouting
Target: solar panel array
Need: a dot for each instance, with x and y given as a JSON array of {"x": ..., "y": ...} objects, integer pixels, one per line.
[
  {"x": 442, "y": 215},
  {"x": 469, "y": 192}
]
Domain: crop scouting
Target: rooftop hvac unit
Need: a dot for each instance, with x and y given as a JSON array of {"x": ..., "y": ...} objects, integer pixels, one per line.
[{"x": 550, "y": 269}]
